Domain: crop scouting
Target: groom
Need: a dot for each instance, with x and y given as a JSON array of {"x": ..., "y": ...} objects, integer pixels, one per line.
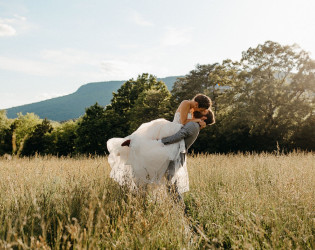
[{"x": 189, "y": 132}]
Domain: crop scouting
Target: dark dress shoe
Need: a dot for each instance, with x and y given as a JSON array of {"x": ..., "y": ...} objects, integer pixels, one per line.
[{"x": 126, "y": 143}]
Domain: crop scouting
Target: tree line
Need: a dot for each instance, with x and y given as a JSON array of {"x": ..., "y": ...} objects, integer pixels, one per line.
[{"x": 264, "y": 102}]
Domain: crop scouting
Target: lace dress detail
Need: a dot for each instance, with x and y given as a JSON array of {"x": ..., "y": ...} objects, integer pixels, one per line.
[{"x": 146, "y": 160}]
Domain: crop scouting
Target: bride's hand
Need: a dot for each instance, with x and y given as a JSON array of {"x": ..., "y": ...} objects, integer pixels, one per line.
[{"x": 202, "y": 124}]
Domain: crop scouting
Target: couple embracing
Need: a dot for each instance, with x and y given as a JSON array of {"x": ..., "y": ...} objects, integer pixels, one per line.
[{"x": 157, "y": 150}]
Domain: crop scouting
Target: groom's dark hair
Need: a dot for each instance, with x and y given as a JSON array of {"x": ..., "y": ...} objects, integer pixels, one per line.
[{"x": 210, "y": 116}]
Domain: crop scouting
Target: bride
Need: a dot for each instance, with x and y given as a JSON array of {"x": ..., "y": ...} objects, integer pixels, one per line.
[{"x": 146, "y": 159}]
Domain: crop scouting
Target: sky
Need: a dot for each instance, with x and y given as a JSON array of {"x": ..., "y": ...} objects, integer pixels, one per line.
[{"x": 50, "y": 48}]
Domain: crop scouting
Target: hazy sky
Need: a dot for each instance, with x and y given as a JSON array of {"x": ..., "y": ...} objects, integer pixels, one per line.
[{"x": 50, "y": 48}]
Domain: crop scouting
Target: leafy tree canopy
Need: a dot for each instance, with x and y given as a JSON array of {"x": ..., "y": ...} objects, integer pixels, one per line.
[
  {"x": 273, "y": 95},
  {"x": 91, "y": 131},
  {"x": 4, "y": 121},
  {"x": 151, "y": 104},
  {"x": 127, "y": 97},
  {"x": 39, "y": 140}
]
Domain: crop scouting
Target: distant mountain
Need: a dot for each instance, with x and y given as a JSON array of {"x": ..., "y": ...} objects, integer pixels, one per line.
[{"x": 73, "y": 105}]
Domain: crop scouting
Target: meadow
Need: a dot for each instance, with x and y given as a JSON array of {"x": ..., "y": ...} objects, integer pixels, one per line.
[{"x": 249, "y": 201}]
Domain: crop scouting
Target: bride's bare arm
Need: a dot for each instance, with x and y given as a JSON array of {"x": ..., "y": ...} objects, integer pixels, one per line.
[{"x": 184, "y": 109}]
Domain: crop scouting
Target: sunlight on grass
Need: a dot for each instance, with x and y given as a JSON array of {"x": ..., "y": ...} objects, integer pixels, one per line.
[{"x": 238, "y": 201}]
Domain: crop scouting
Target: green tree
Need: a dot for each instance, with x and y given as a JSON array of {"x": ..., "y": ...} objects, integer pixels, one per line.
[
  {"x": 151, "y": 104},
  {"x": 20, "y": 130},
  {"x": 115, "y": 124},
  {"x": 4, "y": 121},
  {"x": 39, "y": 141},
  {"x": 64, "y": 137},
  {"x": 128, "y": 93},
  {"x": 126, "y": 97},
  {"x": 5, "y": 137},
  {"x": 304, "y": 136},
  {"x": 272, "y": 96},
  {"x": 92, "y": 131},
  {"x": 209, "y": 79},
  {"x": 197, "y": 81}
]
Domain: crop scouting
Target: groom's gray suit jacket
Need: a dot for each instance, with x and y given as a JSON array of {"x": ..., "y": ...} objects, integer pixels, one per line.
[{"x": 189, "y": 132}]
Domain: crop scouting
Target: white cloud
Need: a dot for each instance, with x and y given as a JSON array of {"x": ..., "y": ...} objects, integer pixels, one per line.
[
  {"x": 82, "y": 66},
  {"x": 75, "y": 63},
  {"x": 6, "y": 30},
  {"x": 31, "y": 67},
  {"x": 69, "y": 56},
  {"x": 45, "y": 96},
  {"x": 13, "y": 26},
  {"x": 128, "y": 46},
  {"x": 9, "y": 100},
  {"x": 95, "y": 67},
  {"x": 121, "y": 69},
  {"x": 175, "y": 36},
  {"x": 17, "y": 98},
  {"x": 18, "y": 17},
  {"x": 65, "y": 62},
  {"x": 139, "y": 20}
]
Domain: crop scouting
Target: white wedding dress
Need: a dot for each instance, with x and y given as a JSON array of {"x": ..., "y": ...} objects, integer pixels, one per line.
[{"x": 146, "y": 160}]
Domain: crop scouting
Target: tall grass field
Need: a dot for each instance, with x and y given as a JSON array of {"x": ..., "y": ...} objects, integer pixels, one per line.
[{"x": 244, "y": 201}]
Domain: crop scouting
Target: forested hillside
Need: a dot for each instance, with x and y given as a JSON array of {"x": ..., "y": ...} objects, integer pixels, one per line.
[{"x": 72, "y": 106}]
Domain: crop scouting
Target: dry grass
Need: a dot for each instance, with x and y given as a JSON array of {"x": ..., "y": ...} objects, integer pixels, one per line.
[{"x": 235, "y": 201}]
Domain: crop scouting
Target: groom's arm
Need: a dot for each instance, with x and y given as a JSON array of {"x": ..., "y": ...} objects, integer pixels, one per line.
[{"x": 189, "y": 132}]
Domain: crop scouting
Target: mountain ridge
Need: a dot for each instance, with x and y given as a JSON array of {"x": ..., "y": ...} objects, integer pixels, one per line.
[{"x": 73, "y": 105}]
